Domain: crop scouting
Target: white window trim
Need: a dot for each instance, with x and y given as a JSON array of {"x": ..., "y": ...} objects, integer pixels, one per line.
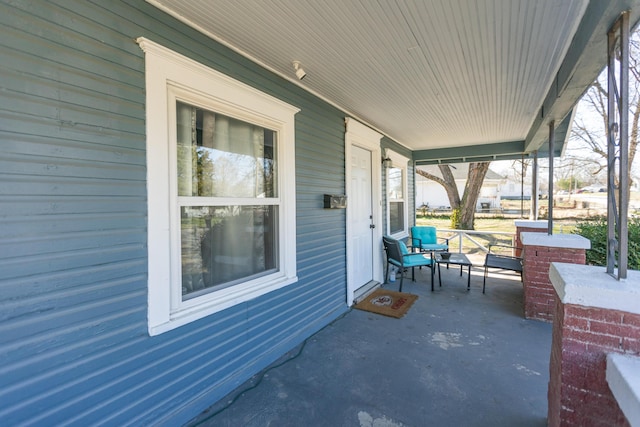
[
  {"x": 398, "y": 161},
  {"x": 168, "y": 73}
]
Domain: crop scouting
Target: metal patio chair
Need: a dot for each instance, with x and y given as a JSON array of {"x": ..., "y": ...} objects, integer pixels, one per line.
[
  {"x": 501, "y": 262},
  {"x": 398, "y": 254}
]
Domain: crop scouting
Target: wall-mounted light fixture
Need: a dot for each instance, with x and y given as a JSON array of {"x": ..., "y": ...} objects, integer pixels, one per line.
[
  {"x": 386, "y": 160},
  {"x": 300, "y": 74}
]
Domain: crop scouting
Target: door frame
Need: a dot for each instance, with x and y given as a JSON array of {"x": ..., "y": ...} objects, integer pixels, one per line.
[{"x": 364, "y": 137}]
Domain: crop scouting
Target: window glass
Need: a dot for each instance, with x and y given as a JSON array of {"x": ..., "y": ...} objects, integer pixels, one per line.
[
  {"x": 222, "y": 157},
  {"x": 219, "y": 156},
  {"x": 224, "y": 245},
  {"x": 396, "y": 217},
  {"x": 395, "y": 183},
  {"x": 395, "y": 189}
]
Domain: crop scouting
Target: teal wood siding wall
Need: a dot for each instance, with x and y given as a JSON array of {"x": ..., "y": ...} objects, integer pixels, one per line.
[{"x": 74, "y": 347}]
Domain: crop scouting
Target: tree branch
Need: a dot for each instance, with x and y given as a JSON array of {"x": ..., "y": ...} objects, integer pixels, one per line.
[{"x": 431, "y": 177}]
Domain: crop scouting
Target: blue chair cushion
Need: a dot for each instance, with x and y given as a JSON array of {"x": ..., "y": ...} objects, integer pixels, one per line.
[
  {"x": 416, "y": 260},
  {"x": 425, "y": 237},
  {"x": 403, "y": 247},
  {"x": 435, "y": 247},
  {"x": 426, "y": 234}
]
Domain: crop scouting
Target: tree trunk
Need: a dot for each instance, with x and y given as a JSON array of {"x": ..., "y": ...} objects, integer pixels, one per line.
[
  {"x": 463, "y": 210},
  {"x": 475, "y": 178}
]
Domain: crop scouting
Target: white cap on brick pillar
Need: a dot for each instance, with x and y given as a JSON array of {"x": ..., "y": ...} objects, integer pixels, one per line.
[
  {"x": 523, "y": 223},
  {"x": 624, "y": 382},
  {"x": 591, "y": 286},
  {"x": 566, "y": 241}
]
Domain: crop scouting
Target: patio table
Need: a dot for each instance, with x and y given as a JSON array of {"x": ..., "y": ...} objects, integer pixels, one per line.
[{"x": 454, "y": 259}]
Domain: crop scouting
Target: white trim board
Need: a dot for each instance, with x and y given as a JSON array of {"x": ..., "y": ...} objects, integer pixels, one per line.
[{"x": 359, "y": 135}]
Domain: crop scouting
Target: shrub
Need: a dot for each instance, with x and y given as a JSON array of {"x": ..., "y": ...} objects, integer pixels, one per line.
[
  {"x": 595, "y": 230},
  {"x": 455, "y": 219}
]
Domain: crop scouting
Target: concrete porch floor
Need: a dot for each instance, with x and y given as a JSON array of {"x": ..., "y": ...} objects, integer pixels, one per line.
[{"x": 458, "y": 358}]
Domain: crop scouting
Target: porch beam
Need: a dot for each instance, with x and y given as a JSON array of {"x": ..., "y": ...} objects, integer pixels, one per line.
[
  {"x": 486, "y": 152},
  {"x": 511, "y": 150}
]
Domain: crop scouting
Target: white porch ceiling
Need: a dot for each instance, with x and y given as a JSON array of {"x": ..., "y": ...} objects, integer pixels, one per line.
[{"x": 428, "y": 74}]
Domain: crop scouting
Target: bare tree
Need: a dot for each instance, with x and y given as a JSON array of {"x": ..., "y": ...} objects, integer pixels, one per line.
[
  {"x": 463, "y": 208},
  {"x": 519, "y": 169},
  {"x": 589, "y": 128}
]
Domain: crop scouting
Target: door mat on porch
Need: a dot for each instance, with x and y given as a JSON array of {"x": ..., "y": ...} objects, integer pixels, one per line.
[{"x": 387, "y": 303}]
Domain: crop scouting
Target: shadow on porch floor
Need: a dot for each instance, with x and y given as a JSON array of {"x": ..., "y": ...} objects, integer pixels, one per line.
[{"x": 458, "y": 358}]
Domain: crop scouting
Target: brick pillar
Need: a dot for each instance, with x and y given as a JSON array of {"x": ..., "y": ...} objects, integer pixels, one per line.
[
  {"x": 527, "y": 226},
  {"x": 540, "y": 250},
  {"x": 595, "y": 315}
]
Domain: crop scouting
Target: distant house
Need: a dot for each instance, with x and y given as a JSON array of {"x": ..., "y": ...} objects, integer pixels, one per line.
[
  {"x": 432, "y": 194},
  {"x": 512, "y": 189}
]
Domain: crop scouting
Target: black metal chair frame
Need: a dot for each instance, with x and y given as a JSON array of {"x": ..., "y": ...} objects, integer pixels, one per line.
[
  {"x": 501, "y": 262},
  {"x": 393, "y": 251}
]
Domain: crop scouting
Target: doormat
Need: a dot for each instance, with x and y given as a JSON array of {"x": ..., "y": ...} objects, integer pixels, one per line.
[{"x": 387, "y": 303}]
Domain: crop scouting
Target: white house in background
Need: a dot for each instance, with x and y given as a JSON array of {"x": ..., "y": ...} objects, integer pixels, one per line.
[
  {"x": 511, "y": 188},
  {"x": 433, "y": 194}
]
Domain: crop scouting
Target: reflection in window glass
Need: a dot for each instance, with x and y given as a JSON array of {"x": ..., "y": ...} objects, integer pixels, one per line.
[
  {"x": 219, "y": 156},
  {"x": 396, "y": 217},
  {"x": 223, "y": 245},
  {"x": 394, "y": 183},
  {"x": 395, "y": 191}
]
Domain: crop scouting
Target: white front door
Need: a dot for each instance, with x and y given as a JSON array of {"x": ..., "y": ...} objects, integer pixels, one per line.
[
  {"x": 364, "y": 209},
  {"x": 362, "y": 217}
]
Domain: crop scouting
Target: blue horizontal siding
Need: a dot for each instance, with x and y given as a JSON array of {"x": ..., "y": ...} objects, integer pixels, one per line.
[
  {"x": 21, "y": 206},
  {"x": 74, "y": 347}
]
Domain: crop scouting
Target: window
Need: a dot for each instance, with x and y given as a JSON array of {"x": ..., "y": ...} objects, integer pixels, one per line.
[
  {"x": 221, "y": 190},
  {"x": 396, "y": 195},
  {"x": 226, "y": 177}
]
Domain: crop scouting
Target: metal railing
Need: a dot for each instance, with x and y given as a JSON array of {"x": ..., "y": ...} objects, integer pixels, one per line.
[{"x": 472, "y": 236}]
